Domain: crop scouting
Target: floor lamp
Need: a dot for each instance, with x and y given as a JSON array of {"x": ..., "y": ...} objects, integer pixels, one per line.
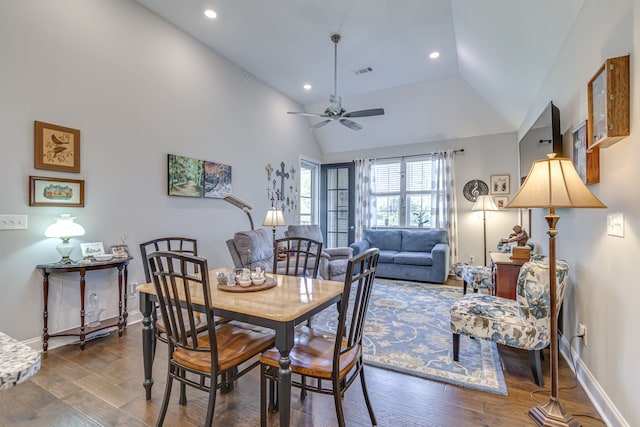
[
  {"x": 484, "y": 203},
  {"x": 553, "y": 183},
  {"x": 239, "y": 203}
]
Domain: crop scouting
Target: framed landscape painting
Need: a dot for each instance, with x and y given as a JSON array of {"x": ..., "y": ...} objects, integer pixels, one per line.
[
  {"x": 217, "y": 180},
  {"x": 186, "y": 176}
]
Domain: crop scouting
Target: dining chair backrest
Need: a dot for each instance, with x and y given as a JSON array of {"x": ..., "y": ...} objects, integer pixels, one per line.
[
  {"x": 182, "y": 245},
  {"x": 297, "y": 256},
  {"x": 361, "y": 272},
  {"x": 176, "y": 286}
]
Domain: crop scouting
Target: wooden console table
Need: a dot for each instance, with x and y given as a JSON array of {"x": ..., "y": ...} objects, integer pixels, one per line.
[
  {"x": 505, "y": 273},
  {"x": 120, "y": 320}
]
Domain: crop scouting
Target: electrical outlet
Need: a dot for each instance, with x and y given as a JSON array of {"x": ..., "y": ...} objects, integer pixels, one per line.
[
  {"x": 472, "y": 258},
  {"x": 132, "y": 288},
  {"x": 582, "y": 332}
]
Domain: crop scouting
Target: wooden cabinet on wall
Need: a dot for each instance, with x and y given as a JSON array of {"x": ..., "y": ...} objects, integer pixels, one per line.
[{"x": 608, "y": 98}]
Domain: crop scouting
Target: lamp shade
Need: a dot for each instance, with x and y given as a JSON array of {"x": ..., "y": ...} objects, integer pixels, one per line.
[
  {"x": 484, "y": 203},
  {"x": 554, "y": 183},
  {"x": 237, "y": 202},
  {"x": 64, "y": 228},
  {"x": 274, "y": 218}
]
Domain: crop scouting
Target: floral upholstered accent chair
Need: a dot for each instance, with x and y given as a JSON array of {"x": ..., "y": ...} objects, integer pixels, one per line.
[{"x": 521, "y": 323}]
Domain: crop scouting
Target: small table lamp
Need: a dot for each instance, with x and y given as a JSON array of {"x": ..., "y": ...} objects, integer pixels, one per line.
[
  {"x": 553, "y": 183},
  {"x": 484, "y": 203},
  {"x": 65, "y": 229},
  {"x": 274, "y": 219}
]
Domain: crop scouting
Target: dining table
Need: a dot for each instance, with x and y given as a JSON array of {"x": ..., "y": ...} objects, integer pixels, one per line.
[{"x": 280, "y": 308}]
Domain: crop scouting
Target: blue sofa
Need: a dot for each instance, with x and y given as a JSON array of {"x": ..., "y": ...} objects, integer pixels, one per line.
[{"x": 418, "y": 255}]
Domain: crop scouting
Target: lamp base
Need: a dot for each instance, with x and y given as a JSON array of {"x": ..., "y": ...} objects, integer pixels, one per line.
[{"x": 551, "y": 414}]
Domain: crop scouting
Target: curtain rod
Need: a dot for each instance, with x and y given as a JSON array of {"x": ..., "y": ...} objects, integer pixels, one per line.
[{"x": 460, "y": 150}]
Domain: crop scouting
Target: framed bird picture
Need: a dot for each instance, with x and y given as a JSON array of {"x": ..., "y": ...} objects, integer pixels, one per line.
[{"x": 57, "y": 148}]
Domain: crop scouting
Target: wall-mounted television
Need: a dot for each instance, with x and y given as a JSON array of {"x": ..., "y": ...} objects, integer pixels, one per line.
[{"x": 542, "y": 138}]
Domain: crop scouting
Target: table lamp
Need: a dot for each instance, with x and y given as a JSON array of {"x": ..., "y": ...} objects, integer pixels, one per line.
[
  {"x": 274, "y": 218},
  {"x": 553, "y": 183},
  {"x": 239, "y": 203},
  {"x": 484, "y": 203},
  {"x": 65, "y": 229}
]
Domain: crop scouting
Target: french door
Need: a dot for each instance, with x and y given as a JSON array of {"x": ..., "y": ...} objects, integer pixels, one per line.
[{"x": 337, "y": 198}]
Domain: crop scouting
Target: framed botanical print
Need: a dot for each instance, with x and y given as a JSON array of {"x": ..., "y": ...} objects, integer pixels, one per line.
[
  {"x": 500, "y": 184},
  {"x": 45, "y": 191},
  {"x": 501, "y": 201},
  {"x": 57, "y": 148}
]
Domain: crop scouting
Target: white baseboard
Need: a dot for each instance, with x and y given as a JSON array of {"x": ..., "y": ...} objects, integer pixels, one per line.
[{"x": 605, "y": 407}]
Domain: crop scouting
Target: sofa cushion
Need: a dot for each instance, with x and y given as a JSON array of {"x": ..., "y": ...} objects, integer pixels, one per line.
[
  {"x": 384, "y": 239},
  {"x": 413, "y": 258},
  {"x": 386, "y": 256},
  {"x": 422, "y": 240}
]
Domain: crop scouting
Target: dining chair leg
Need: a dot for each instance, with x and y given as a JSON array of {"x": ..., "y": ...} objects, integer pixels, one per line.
[
  {"x": 372, "y": 416},
  {"x": 263, "y": 396},
  {"x": 273, "y": 391},
  {"x": 337, "y": 400},
  {"x": 456, "y": 347},
  {"x": 165, "y": 399},
  {"x": 183, "y": 389},
  {"x": 211, "y": 405},
  {"x": 303, "y": 388}
]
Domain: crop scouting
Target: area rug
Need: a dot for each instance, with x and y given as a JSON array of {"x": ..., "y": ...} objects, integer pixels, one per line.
[{"x": 407, "y": 330}]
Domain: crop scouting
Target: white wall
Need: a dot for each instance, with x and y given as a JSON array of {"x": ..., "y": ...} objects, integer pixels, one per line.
[
  {"x": 482, "y": 157},
  {"x": 602, "y": 291},
  {"x": 138, "y": 89}
]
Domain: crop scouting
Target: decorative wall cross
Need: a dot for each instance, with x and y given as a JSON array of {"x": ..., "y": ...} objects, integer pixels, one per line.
[{"x": 283, "y": 175}]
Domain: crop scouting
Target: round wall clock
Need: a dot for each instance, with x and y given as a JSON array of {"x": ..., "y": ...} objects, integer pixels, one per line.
[{"x": 475, "y": 188}]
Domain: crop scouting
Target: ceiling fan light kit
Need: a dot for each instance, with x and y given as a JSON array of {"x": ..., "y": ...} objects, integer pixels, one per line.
[{"x": 334, "y": 110}]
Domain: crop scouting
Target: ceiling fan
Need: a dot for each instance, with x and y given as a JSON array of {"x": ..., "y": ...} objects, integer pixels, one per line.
[{"x": 335, "y": 110}]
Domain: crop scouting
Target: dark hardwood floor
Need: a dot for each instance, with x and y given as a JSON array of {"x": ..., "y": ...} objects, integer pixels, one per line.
[{"x": 102, "y": 385}]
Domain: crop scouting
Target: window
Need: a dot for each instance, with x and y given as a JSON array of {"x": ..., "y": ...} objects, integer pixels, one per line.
[
  {"x": 402, "y": 189},
  {"x": 308, "y": 193}
]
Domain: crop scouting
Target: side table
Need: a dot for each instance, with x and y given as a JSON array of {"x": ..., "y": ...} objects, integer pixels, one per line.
[
  {"x": 121, "y": 264},
  {"x": 505, "y": 272}
]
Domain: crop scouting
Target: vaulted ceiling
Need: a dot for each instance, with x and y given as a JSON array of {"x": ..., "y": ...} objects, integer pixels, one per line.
[{"x": 494, "y": 55}]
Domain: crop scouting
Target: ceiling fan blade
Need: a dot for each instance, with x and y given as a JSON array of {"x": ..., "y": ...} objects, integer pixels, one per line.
[
  {"x": 351, "y": 124},
  {"x": 365, "y": 113},
  {"x": 319, "y": 125},
  {"x": 305, "y": 114}
]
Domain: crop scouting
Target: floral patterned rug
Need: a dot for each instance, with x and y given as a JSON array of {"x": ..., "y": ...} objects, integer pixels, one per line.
[{"x": 407, "y": 330}]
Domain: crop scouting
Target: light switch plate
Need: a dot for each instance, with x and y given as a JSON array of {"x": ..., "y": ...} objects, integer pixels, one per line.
[{"x": 13, "y": 222}]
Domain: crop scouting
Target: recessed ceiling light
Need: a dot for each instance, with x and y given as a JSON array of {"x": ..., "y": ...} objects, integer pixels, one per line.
[
  {"x": 307, "y": 86},
  {"x": 210, "y": 14},
  {"x": 434, "y": 54}
]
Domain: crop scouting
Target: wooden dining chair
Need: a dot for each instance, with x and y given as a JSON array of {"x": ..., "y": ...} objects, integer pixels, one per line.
[
  {"x": 182, "y": 245},
  {"x": 199, "y": 360},
  {"x": 334, "y": 360},
  {"x": 297, "y": 256}
]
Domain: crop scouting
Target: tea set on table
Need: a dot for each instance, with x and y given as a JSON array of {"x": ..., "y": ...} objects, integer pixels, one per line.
[{"x": 243, "y": 277}]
